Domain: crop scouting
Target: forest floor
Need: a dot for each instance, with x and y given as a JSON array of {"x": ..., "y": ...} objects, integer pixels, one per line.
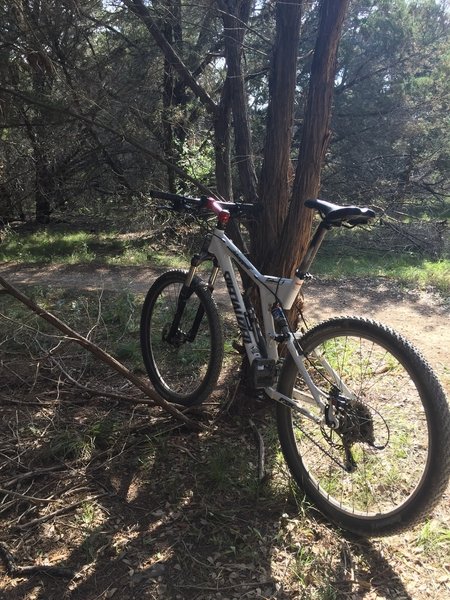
[{"x": 153, "y": 511}]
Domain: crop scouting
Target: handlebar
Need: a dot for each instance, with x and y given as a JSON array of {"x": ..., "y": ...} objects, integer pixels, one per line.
[
  {"x": 223, "y": 210},
  {"x": 333, "y": 215}
]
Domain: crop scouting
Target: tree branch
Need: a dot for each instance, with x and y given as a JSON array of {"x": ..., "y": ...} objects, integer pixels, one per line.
[
  {"x": 141, "y": 11},
  {"x": 15, "y": 570},
  {"x": 60, "y": 108},
  {"x": 98, "y": 352}
]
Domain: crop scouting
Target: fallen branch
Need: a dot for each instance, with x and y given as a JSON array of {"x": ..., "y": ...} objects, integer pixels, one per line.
[
  {"x": 25, "y": 497},
  {"x": 31, "y": 475},
  {"x": 104, "y": 393},
  {"x": 57, "y": 513},
  {"x": 98, "y": 352},
  {"x": 15, "y": 570}
]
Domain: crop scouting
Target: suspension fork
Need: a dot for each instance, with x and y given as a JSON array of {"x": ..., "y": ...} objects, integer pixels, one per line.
[
  {"x": 185, "y": 293},
  {"x": 191, "y": 335}
]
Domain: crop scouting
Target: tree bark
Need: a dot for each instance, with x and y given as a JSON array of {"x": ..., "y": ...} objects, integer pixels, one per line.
[
  {"x": 28, "y": 18},
  {"x": 274, "y": 184},
  {"x": 235, "y": 15},
  {"x": 42, "y": 79},
  {"x": 222, "y": 144},
  {"x": 315, "y": 137},
  {"x": 172, "y": 92},
  {"x": 43, "y": 186}
]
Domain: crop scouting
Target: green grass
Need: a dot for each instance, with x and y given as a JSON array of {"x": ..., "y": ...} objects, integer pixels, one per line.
[
  {"x": 64, "y": 246},
  {"x": 409, "y": 269},
  {"x": 46, "y": 247},
  {"x": 434, "y": 538},
  {"x": 110, "y": 320}
]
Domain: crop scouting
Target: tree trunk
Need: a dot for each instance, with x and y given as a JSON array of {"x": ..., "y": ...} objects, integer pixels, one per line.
[
  {"x": 274, "y": 185},
  {"x": 28, "y": 19},
  {"x": 171, "y": 28},
  {"x": 315, "y": 137},
  {"x": 235, "y": 15},
  {"x": 44, "y": 188},
  {"x": 222, "y": 144}
]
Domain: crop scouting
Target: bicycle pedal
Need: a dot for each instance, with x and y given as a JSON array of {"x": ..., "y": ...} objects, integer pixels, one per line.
[{"x": 263, "y": 372}]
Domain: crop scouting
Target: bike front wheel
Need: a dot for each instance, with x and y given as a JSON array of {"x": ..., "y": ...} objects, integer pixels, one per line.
[
  {"x": 181, "y": 339},
  {"x": 385, "y": 462}
]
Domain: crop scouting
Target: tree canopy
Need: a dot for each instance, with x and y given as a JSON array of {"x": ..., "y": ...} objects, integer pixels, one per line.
[{"x": 99, "y": 101}]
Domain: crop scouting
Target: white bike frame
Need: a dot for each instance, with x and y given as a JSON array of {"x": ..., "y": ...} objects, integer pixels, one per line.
[{"x": 271, "y": 289}]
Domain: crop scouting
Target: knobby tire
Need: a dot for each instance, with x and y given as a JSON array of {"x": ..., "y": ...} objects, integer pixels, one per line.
[
  {"x": 397, "y": 427},
  {"x": 185, "y": 372}
]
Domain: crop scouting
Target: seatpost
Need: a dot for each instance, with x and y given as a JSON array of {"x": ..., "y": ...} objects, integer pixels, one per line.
[{"x": 313, "y": 247}]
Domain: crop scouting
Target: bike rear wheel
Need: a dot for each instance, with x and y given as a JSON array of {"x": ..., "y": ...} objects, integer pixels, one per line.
[
  {"x": 387, "y": 463},
  {"x": 183, "y": 361}
]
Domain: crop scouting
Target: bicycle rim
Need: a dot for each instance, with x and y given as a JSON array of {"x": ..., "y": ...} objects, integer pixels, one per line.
[
  {"x": 180, "y": 370},
  {"x": 376, "y": 465}
]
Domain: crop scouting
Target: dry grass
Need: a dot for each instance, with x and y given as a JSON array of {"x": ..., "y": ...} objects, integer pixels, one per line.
[{"x": 137, "y": 507}]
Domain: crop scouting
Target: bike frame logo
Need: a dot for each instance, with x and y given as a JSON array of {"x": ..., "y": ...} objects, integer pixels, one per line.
[{"x": 241, "y": 316}]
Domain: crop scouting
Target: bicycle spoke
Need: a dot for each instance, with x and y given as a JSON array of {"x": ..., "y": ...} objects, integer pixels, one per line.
[
  {"x": 372, "y": 467},
  {"x": 366, "y": 370},
  {"x": 182, "y": 341}
]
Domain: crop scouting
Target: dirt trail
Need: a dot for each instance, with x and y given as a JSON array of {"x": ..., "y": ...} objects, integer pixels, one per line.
[{"x": 421, "y": 316}]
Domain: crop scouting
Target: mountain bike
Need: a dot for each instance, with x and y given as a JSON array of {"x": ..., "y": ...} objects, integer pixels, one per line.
[{"x": 363, "y": 422}]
